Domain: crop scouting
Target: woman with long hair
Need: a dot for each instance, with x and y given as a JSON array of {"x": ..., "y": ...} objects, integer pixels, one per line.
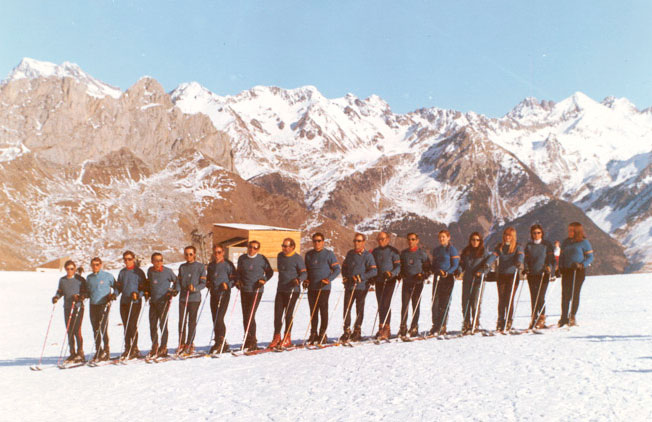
[
  {"x": 576, "y": 255},
  {"x": 510, "y": 263},
  {"x": 539, "y": 264},
  {"x": 473, "y": 263}
]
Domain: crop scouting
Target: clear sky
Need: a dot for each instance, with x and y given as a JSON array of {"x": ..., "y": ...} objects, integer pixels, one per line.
[{"x": 484, "y": 56}]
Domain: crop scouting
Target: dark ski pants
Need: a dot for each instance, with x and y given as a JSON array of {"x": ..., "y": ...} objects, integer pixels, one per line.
[
  {"x": 219, "y": 306},
  {"x": 187, "y": 325},
  {"x": 129, "y": 327},
  {"x": 99, "y": 315},
  {"x": 506, "y": 291},
  {"x": 250, "y": 303},
  {"x": 470, "y": 292},
  {"x": 321, "y": 312},
  {"x": 384, "y": 293},
  {"x": 284, "y": 305},
  {"x": 411, "y": 291},
  {"x": 571, "y": 291},
  {"x": 442, "y": 298},
  {"x": 359, "y": 297},
  {"x": 74, "y": 328},
  {"x": 158, "y": 313},
  {"x": 538, "y": 285}
]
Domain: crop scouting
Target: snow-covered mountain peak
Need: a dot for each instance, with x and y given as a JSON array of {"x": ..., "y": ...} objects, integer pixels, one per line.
[
  {"x": 530, "y": 110},
  {"x": 30, "y": 68},
  {"x": 620, "y": 104}
]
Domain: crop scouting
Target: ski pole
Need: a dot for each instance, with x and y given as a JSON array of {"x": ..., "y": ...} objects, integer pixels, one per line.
[
  {"x": 312, "y": 315},
  {"x": 251, "y": 316},
  {"x": 519, "y": 289},
  {"x": 167, "y": 316},
  {"x": 38, "y": 366},
  {"x": 445, "y": 316},
  {"x": 418, "y": 302},
  {"x": 99, "y": 331},
  {"x": 511, "y": 299},
  {"x": 294, "y": 312},
  {"x": 535, "y": 311},
  {"x": 477, "y": 307},
  {"x": 380, "y": 303},
  {"x": 125, "y": 325},
  {"x": 230, "y": 319},
  {"x": 407, "y": 307},
  {"x": 348, "y": 308},
  {"x": 183, "y": 323},
  {"x": 72, "y": 307},
  {"x": 201, "y": 309},
  {"x": 572, "y": 295},
  {"x": 390, "y": 304},
  {"x": 337, "y": 302},
  {"x": 217, "y": 313},
  {"x": 133, "y": 337}
]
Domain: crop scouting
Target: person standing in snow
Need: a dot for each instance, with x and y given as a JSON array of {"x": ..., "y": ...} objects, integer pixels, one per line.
[
  {"x": 190, "y": 282},
  {"x": 101, "y": 287},
  {"x": 131, "y": 286},
  {"x": 159, "y": 290},
  {"x": 72, "y": 288},
  {"x": 291, "y": 273},
  {"x": 473, "y": 263},
  {"x": 445, "y": 262},
  {"x": 220, "y": 281},
  {"x": 415, "y": 268},
  {"x": 539, "y": 265},
  {"x": 322, "y": 268},
  {"x": 576, "y": 255},
  {"x": 510, "y": 264},
  {"x": 253, "y": 272},
  {"x": 388, "y": 260},
  {"x": 357, "y": 269}
]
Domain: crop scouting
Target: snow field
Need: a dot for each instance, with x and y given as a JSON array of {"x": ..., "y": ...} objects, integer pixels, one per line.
[{"x": 598, "y": 371}]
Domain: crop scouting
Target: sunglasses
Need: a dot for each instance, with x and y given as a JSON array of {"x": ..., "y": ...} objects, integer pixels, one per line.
[
  {"x": 252, "y": 247},
  {"x": 219, "y": 252},
  {"x": 411, "y": 239},
  {"x": 358, "y": 240},
  {"x": 95, "y": 264},
  {"x": 286, "y": 246},
  {"x": 188, "y": 254},
  {"x": 70, "y": 269},
  {"x": 128, "y": 259},
  {"x": 475, "y": 239},
  {"x": 536, "y": 232},
  {"x": 157, "y": 260},
  {"x": 317, "y": 240}
]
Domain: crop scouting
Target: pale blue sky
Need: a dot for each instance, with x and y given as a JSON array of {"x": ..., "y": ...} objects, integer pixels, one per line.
[{"x": 466, "y": 55}]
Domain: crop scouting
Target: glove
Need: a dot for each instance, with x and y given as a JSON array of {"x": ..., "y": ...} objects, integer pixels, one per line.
[
  {"x": 134, "y": 296},
  {"x": 547, "y": 269},
  {"x": 147, "y": 295},
  {"x": 443, "y": 273},
  {"x": 111, "y": 296},
  {"x": 260, "y": 283},
  {"x": 306, "y": 283},
  {"x": 55, "y": 299},
  {"x": 224, "y": 286},
  {"x": 191, "y": 287},
  {"x": 295, "y": 281},
  {"x": 168, "y": 295},
  {"x": 76, "y": 298},
  {"x": 520, "y": 267},
  {"x": 238, "y": 284},
  {"x": 325, "y": 282},
  {"x": 174, "y": 292},
  {"x": 557, "y": 273},
  {"x": 457, "y": 273},
  {"x": 419, "y": 278},
  {"x": 371, "y": 281},
  {"x": 578, "y": 266},
  {"x": 345, "y": 280}
]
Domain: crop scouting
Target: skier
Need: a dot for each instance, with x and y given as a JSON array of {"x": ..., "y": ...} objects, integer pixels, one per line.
[
  {"x": 576, "y": 255},
  {"x": 102, "y": 289},
  {"x": 357, "y": 269},
  {"x": 445, "y": 262},
  {"x": 510, "y": 264},
  {"x": 72, "y": 288},
  {"x": 131, "y": 285},
  {"x": 473, "y": 263},
  {"x": 221, "y": 278},
  {"x": 190, "y": 282},
  {"x": 322, "y": 268},
  {"x": 539, "y": 265},
  {"x": 388, "y": 260},
  {"x": 252, "y": 274},
  {"x": 159, "y": 290},
  {"x": 415, "y": 268},
  {"x": 291, "y": 273}
]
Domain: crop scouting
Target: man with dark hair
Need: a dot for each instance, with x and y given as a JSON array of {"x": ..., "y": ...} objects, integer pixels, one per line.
[
  {"x": 415, "y": 267},
  {"x": 131, "y": 285},
  {"x": 322, "y": 268},
  {"x": 388, "y": 260},
  {"x": 159, "y": 290},
  {"x": 221, "y": 278},
  {"x": 253, "y": 272},
  {"x": 101, "y": 287},
  {"x": 358, "y": 268},
  {"x": 73, "y": 290},
  {"x": 192, "y": 278}
]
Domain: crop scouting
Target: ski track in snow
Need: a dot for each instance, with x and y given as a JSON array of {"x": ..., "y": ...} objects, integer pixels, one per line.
[{"x": 601, "y": 370}]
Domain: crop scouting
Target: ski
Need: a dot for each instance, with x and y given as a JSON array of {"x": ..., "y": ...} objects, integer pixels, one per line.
[{"x": 71, "y": 365}]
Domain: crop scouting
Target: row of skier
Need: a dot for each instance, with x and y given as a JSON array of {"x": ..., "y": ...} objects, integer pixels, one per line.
[{"x": 383, "y": 267}]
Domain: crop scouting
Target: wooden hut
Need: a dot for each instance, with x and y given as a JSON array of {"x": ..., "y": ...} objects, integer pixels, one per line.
[{"x": 234, "y": 238}]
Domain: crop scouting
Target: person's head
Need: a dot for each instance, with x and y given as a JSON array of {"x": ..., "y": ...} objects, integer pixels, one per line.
[
  {"x": 70, "y": 268},
  {"x": 413, "y": 240},
  {"x": 576, "y": 231},
  {"x": 288, "y": 245},
  {"x": 382, "y": 239},
  {"x": 509, "y": 238},
  {"x": 476, "y": 244},
  {"x": 218, "y": 253},
  {"x": 536, "y": 232},
  {"x": 96, "y": 264},
  {"x": 318, "y": 241},
  {"x": 252, "y": 247},
  {"x": 157, "y": 261},
  {"x": 129, "y": 258},
  {"x": 444, "y": 237},
  {"x": 557, "y": 244},
  {"x": 359, "y": 241},
  {"x": 190, "y": 253}
]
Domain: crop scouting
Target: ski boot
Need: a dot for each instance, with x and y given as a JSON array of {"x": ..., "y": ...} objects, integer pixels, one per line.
[
  {"x": 190, "y": 350},
  {"x": 346, "y": 335},
  {"x": 402, "y": 331},
  {"x": 135, "y": 354},
  {"x": 276, "y": 342},
  {"x": 414, "y": 332},
  {"x": 466, "y": 328},
  {"x": 541, "y": 322},
  {"x": 313, "y": 339},
  {"x": 79, "y": 357},
  {"x": 153, "y": 352},
  {"x": 572, "y": 322},
  {"x": 106, "y": 354},
  {"x": 432, "y": 331},
  {"x": 287, "y": 341},
  {"x": 357, "y": 334},
  {"x": 221, "y": 344},
  {"x": 385, "y": 333},
  {"x": 251, "y": 344},
  {"x": 162, "y": 352},
  {"x": 562, "y": 322}
]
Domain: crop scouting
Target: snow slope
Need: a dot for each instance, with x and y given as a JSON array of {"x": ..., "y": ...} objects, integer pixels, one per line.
[{"x": 599, "y": 371}]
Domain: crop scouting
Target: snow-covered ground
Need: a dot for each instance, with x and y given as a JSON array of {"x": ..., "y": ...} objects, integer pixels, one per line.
[{"x": 601, "y": 370}]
